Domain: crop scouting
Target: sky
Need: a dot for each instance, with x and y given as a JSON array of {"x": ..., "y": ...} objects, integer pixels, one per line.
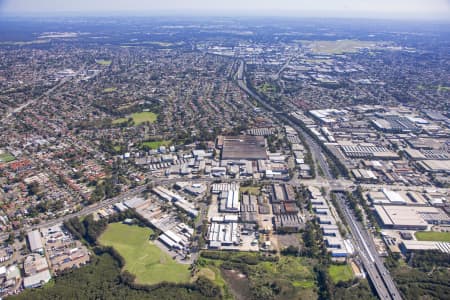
[{"x": 391, "y": 9}]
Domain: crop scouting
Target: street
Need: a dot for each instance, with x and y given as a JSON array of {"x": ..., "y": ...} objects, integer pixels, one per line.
[{"x": 365, "y": 247}]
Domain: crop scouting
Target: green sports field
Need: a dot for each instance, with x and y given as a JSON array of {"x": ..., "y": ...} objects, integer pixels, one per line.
[
  {"x": 340, "y": 273},
  {"x": 103, "y": 62},
  {"x": 139, "y": 118},
  {"x": 109, "y": 90},
  {"x": 433, "y": 236},
  {"x": 156, "y": 144},
  {"x": 143, "y": 258},
  {"x": 6, "y": 157}
]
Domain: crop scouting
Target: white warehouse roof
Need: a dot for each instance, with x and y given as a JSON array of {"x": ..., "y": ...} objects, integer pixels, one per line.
[{"x": 34, "y": 238}]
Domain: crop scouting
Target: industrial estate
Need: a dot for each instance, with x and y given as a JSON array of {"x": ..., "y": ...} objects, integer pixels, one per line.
[{"x": 194, "y": 160}]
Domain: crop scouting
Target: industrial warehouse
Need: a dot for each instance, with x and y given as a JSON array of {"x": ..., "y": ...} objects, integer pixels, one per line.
[
  {"x": 242, "y": 147},
  {"x": 410, "y": 217}
]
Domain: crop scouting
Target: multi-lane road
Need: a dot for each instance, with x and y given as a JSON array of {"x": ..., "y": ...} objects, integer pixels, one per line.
[
  {"x": 12, "y": 111},
  {"x": 367, "y": 252},
  {"x": 316, "y": 151},
  {"x": 102, "y": 204},
  {"x": 365, "y": 247}
]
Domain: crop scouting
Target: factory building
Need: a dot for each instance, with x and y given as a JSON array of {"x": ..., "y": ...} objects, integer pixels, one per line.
[
  {"x": 223, "y": 233},
  {"x": 412, "y": 245},
  {"x": 410, "y": 217},
  {"x": 37, "y": 280},
  {"x": 243, "y": 147},
  {"x": 249, "y": 208},
  {"x": 35, "y": 241},
  {"x": 386, "y": 197},
  {"x": 368, "y": 151},
  {"x": 395, "y": 124},
  {"x": 229, "y": 201}
]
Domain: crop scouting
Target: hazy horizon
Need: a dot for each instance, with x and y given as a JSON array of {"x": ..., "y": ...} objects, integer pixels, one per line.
[{"x": 383, "y": 9}]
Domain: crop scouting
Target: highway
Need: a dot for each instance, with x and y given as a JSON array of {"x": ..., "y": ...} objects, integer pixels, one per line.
[
  {"x": 365, "y": 247},
  {"x": 366, "y": 250},
  {"x": 316, "y": 151},
  {"x": 379, "y": 276},
  {"x": 120, "y": 198}
]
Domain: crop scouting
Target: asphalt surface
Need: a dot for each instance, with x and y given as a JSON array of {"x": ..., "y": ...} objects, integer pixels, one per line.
[
  {"x": 367, "y": 252},
  {"x": 12, "y": 111},
  {"x": 365, "y": 246},
  {"x": 102, "y": 204},
  {"x": 315, "y": 148}
]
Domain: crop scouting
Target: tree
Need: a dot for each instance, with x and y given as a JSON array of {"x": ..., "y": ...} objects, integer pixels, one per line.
[{"x": 33, "y": 188}]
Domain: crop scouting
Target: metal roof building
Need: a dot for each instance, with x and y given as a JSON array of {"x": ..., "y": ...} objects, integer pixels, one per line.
[
  {"x": 35, "y": 241},
  {"x": 425, "y": 245},
  {"x": 410, "y": 217},
  {"x": 37, "y": 279},
  {"x": 244, "y": 147}
]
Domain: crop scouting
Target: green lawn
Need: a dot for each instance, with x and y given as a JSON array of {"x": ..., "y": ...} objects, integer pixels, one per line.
[
  {"x": 143, "y": 258},
  {"x": 433, "y": 236},
  {"x": 254, "y": 190},
  {"x": 156, "y": 144},
  {"x": 307, "y": 284},
  {"x": 340, "y": 273},
  {"x": 6, "y": 157},
  {"x": 294, "y": 274},
  {"x": 103, "y": 62},
  {"x": 338, "y": 47},
  {"x": 139, "y": 118},
  {"x": 267, "y": 88},
  {"x": 109, "y": 90},
  {"x": 443, "y": 88}
]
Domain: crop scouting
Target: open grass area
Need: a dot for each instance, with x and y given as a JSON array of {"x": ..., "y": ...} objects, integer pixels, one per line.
[
  {"x": 212, "y": 272},
  {"x": 103, "y": 62},
  {"x": 267, "y": 88},
  {"x": 442, "y": 88},
  {"x": 6, "y": 157},
  {"x": 307, "y": 284},
  {"x": 109, "y": 90},
  {"x": 340, "y": 273},
  {"x": 433, "y": 236},
  {"x": 119, "y": 120},
  {"x": 145, "y": 116},
  {"x": 138, "y": 118},
  {"x": 338, "y": 47},
  {"x": 143, "y": 258},
  {"x": 294, "y": 276},
  {"x": 156, "y": 144},
  {"x": 254, "y": 190}
]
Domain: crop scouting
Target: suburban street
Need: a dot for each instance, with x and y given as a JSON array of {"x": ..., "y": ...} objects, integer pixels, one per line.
[{"x": 12, "y": 111}]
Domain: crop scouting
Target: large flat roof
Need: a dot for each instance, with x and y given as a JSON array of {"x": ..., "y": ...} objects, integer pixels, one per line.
[
  {"x": 406, "y": 216},
  {"x": 37, "y": 279},
  {"x": 426, "y": 245},
  {"x": 437, "y": 165},
  {"x": 34, "y": 238},
  {"x": 244, "y": 147}
]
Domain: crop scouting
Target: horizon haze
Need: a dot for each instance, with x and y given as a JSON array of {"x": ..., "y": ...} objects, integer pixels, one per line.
[{"x": 384, "y": 9}]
